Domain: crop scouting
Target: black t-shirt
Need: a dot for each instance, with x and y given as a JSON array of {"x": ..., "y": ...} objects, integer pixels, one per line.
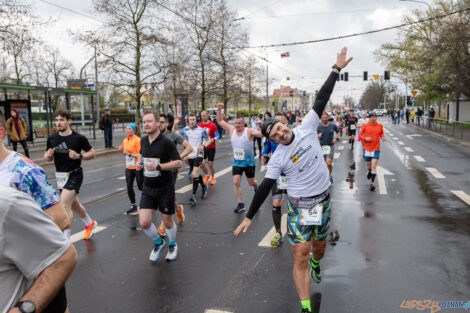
[
  {"x": 161, "y": 148},
  {"x": 351, "y": 120},
  {"x": 62, "y": 144}
]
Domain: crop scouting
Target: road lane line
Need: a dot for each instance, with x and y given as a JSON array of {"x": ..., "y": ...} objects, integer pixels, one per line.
[
  {"x": 435, "y": 172},
  {"x": 216, "y": 311},
  {"x": 266, "y": 241},
  {"x": 401, "y": 143},
  {"x": 409, "y": 149},
  {"x": 419, "y": 158},
  {"x": 336, "y": 155},
  {"x": 263, "y": 168},
  {"x": 217, "y": 175},
  {"x": 341, "y": 147},
  {"x": 121, "y": 178},
  {"x": 79, "y": 236},
  {"x": 381, "y": 172},
  {"x": 462, "y": 195}
]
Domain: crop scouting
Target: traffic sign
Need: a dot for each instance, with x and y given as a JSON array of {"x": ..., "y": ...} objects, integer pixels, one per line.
[
  {"x": 285, "y": 55},
  {"x": 376, "y": 77},
  {"x": 414, "y": 92},
  {"x": 90, "y": 82},
  {"x": 288, "y": 78}
]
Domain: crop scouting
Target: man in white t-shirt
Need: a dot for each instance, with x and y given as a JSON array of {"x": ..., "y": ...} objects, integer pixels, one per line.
[{"x": 299, "y": 156}]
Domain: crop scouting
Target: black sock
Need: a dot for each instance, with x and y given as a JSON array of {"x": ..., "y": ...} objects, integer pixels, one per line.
[
  {"x": 201, "y": 181},
  {"x": 277, "y": 218},
  {"x": 195, "y": 184},
  {"x": 373, "y": 177}
]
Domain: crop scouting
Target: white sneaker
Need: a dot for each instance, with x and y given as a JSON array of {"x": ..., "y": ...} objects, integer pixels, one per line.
[
  {"x": 172, "y": 252},
  {"x": 157, "y": 251}
]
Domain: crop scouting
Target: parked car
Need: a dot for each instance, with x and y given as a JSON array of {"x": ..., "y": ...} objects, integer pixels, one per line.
[{"x": 380, "y": 112}]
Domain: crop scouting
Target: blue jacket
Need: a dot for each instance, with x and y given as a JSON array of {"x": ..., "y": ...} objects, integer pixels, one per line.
[{"x": 270, "y": 147}]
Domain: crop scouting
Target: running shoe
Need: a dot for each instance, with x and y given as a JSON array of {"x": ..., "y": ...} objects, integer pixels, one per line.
[
  {"x": 190, "y": 172},
  {"x": 206, "y": 179},
  {"x": 331, "y": 179},
  {"x": 369, "y": 175},
  {"x": 133, "y": 210},
  {"x": 240, "y": 208},
  {"x": 306, "y": 311},
  {"x": 276, "y": 242},
  {"x": 315, "y": 272},
  {"x": 172, "y": 252},
  {"x": 180, "y": 214},
  {"x": 204, "y": 191},
  {"x": 212, "y": 180},
  {"x": 161, "y": 230},
  {"x": 192, "y": 200},
  {"x": 157, "y": 251},
  {"x": 371, "y": 187},
  {"x": 89, "y": 230}
]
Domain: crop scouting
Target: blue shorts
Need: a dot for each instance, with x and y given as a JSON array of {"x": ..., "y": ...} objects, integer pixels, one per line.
[{"x": 369, "y": 157}]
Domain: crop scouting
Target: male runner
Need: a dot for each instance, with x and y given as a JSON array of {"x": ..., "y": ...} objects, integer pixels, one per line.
[
  {"x": 254, "y": 125},
  {"x": 326, "y": 133},
  {"x": 158, "y": 157},
  {"x": 243, "y": 154},
  {"x": 177, "y": 139},
  {"x": 351, "y": 124},
  {"x": 209, "y": 151},
  {"x": 198, "y": 139},
  {"x": 370, "y": 134},
  {"x": 130, "y": 148},
  {"x": 65, "y": 148},
  {"x": 299, "y": 156},
  {"x": 280, "y": 187}
]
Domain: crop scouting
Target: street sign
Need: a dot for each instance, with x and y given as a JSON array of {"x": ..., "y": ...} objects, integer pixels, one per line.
[
  {"x": 90, "y": 82},
  {"x": 288, "y": 78},
  {"x": 413, "y": 93},
  {"x": 285, "y": 55},
  {"x": 376, "y": 77}
]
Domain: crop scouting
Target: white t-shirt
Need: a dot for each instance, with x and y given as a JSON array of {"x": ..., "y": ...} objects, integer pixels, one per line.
[{"x": 302, "y": 161}]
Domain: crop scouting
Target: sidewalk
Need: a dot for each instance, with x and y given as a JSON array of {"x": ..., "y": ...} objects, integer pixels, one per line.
[{"x": 444, "y": 132}]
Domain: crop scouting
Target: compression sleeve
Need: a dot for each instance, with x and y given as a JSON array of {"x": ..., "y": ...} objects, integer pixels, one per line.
[
  {"x": 324, "y": 94},
  {"x": 216, "y": 135},
  {"x": 260, "y": 195}
]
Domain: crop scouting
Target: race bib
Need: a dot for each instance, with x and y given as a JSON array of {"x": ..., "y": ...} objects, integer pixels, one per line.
[
  {"x": 369, "y": 153},
  {"x": 239, "y": 154},
  {"x": 148, "y": 173},
  {"x": 311, "y": 216},
  {"x": 61, "y": 179},
  {"x": 326, "y": 150},
  {"x": 282, "y": 182},
  {"x": 352, "y": 127},
  {"x": 195, "y": 153},
  {"x": 130, "y": 161}
]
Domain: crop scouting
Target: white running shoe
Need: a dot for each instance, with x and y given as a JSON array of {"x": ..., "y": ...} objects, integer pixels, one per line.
[
  {"x": 157, "y": 251},
  {"x": 172, "y": 252}
]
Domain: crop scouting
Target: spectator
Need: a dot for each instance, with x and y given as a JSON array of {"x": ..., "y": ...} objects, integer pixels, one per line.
[
  {"x": 36, "y": 257},
  {"x": 17, "y": 128},
  {"x": 412, "y": 115},
  {"x": 431, "y": 114},
  {"x": 407, "y": 114},
  {"x": 419, "y": 114},
  {"x": 106, "y": 124}
]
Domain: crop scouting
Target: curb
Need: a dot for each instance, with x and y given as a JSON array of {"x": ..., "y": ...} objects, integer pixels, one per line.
[
  {"x": 449, "y": 139},
  {"x": 98, "y": 154}
]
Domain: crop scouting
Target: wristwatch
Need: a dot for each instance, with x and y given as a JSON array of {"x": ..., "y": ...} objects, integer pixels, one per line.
[
  {"x": 81, "y": 156},
  {"x": 336, "y": 67},
  {"x": 159, "y": 168},
  {"x": 26, "y": 306}
]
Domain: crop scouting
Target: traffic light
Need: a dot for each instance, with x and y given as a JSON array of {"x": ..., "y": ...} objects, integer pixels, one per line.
[
  {"x": 387, "y": 75},
  {"x": 365, "y": 75},
  {"x": 346, "y": 76},
  {"x": 408, "y": 100},
  {"x": 341, "y": 76},
  {"x": 305, "y": 93}
]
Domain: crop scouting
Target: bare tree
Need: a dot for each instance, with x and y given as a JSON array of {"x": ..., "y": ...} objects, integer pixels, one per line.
[{"x": 58, "y": 69}]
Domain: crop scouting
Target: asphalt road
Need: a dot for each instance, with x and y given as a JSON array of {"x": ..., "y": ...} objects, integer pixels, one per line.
[{"x": 406, "y": 241}]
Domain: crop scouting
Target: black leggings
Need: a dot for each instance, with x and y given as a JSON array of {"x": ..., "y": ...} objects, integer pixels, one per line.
[
  {"x": 23, "y": 143},
  {"x": 257, "y": 140},
  {"x": 130, "y": 176}
]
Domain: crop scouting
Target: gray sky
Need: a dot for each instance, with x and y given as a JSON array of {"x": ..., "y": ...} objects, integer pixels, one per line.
[{"x": 301, "y": 20}]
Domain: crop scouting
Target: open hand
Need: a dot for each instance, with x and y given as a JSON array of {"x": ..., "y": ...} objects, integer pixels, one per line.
[
  {"x": 243, "y": 226},
  {"x": 341, "y": 60}
]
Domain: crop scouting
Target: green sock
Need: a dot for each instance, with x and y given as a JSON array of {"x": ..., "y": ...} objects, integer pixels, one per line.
[
  {"x": 306, "y": 304},
  {"x": 315, "y": 263}
]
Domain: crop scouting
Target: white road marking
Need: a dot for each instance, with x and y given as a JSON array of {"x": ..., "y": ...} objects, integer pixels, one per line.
[
  {"x": 216, "y": 311},
  {"x": 266, "y": 241},
  {"x": 217, "y": 175},
  {"x": 263, "y": 168},
  {"x": 401, "y": 143},
  {"x": 79, "y": 236},
  {"x": 414, "y": 135},
  {"x": 409, "y": 149},
  {"x": 435, "y": 172},
  {"x": 121, "y": 178},
  {"x": 341, "y": 147},
  {"x": 336, "y": 155},
  {"x": 381, "y": 172},
  {"x": 419, "y": 158},
  {"x": 462, "y": 195}
]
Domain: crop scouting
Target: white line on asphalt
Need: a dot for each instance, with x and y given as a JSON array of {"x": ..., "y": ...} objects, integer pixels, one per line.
[
  {"x": 381, "y": 172},
  {"x": 336, "y": 155},
  {"x": 419, "y": 159},
  {"x": 216, "y": 311},
  {"x": 341, "y": 147},
  {"x": 435, "y": 172},
  {"x": 409, "y": 149},
  {"x": 121, "y": 178},
  {"x": 266, "y": 241},
  {"x": 217, "y": 175},
  {"x": 401, "y": 143},
  {"x": 414, "y": 135},
  {"x": 263, "y": 168},
  {"x": 79, "y": 236},
  {"x": 462, "y": 195}
]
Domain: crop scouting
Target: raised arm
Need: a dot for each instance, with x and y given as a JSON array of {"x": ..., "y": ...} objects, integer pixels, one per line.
[{"x": 221, "y": 120}]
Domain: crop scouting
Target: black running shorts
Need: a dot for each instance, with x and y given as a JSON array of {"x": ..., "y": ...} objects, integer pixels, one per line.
[
  {"x": 249, "y": 171},
  {"x": 75, "y": 180},
  {"x": 159, "y": 198},
  {"x": 209, "y": 154},
  {"x": 195, "y": 162}
]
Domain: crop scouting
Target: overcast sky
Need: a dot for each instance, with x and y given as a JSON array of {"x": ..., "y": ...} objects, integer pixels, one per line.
[{"x": 297, "y": 20}]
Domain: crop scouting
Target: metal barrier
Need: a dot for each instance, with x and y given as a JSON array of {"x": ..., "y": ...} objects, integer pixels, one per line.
[{"x": 459, "y": 130}]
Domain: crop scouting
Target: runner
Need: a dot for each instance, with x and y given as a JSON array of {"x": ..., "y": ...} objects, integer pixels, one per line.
[
  {"x": 257, "y": 140},
  {"x": 209, "y": 151},
  {"x": 299, "y": 156},
  {"x": 160, "y": 156},
  {"x": 198, "y": 139},
  {"x": 243, "y": 154},
  {"x": 165, "y": 126},
  {"x": 280, "y": 187},
  {"x": 370, "y": 134},
  {"x": 65, "y": 148},
  {"x": 363, "y": 120},
  {"x": 326, "y": 133},
  {"x": 351, "y": 124},
  {"x": 130, "y": 148}
]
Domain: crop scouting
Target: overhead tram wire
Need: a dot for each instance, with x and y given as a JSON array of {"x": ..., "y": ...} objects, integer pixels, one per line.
[
  {"x": 72, "y": 11},
  {"x": 256, "y": 11},
  {"x": 359, "y": 34}
]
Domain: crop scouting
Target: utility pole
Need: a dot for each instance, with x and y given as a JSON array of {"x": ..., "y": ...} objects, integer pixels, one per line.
[
  {"x": 267, "y": 87},
  {"x": 97, "y": 89}
]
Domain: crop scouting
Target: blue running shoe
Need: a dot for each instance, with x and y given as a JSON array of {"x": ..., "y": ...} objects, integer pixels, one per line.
[
  {"x": 240, "y": 208},
  {"x": 192, "y": 200},
  {"x": 157, "y": 251},
  {"x": 204, "y": 191},
  {"x": 331, "y": 179}
]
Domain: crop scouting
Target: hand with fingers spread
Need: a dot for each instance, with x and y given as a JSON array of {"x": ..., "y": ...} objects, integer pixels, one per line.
[
  {"x": 341, "y": 60},
  {"x": 243, "y": 226}
]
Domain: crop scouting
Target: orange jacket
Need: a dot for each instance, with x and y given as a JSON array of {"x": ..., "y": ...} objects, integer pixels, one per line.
[
  {"x": 132, "y": 145},
  {"x": 375, "y": 132}
]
